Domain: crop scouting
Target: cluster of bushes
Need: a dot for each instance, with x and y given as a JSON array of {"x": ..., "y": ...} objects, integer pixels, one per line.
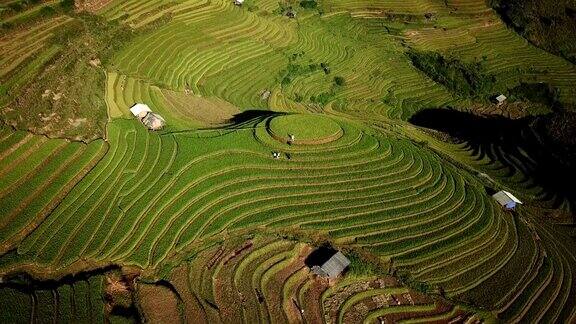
[
  {"x": 67, "y": 5},
  {"x": 287, "y": 6},
  {"x": 538, "y": 93},
  {"x": 23, "y": 5},
  {"x": 462, "y": 78},
  {"x": 361, "y": 266},
  {"x": 406, "y": 278},
  {"x": 339, "y": 81},
  {"x": 308, "y": 4},
  {"x": 283, "y": 8},
  {"x": 295, "y": 69},
  {"x": 325, "y": 97}
]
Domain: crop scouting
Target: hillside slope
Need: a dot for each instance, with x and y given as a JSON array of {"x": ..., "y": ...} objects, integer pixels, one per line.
[
  {"x": 287, "y": 129},
  {"x": 548, "y": 24}
]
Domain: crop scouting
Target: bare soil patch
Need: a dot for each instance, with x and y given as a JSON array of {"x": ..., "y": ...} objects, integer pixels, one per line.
[
  {"x": 90, "y": 5},
  {"x": 207, "y": 111},
  {"x": 158, "y": 304},
  {"x": 273, "y": 293},
  {"x": 193, "y": 311}
]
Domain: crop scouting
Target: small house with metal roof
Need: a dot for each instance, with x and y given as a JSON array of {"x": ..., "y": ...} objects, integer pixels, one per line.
[
  {"x": 151, "y": 120},
  {"x": 506, "y": 199},
  {"x": 333, "y": 267},
  {"x": 500, "y": 100}
]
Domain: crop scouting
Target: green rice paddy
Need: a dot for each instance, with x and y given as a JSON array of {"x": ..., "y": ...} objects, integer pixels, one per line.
[{"x": 305, "y": 128}]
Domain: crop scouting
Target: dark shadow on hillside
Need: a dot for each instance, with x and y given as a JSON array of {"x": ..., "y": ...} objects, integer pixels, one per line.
[
  {"x": 319, "y": 256},
  {"x": 541, "y": 148},
  {"x": 490, "y": 191},
  {"x": 26, "y": 283},
  {"x": 245, "y": 120},
  {"x": 129, "y": 314},
  {"x": 251, "y": 117}
]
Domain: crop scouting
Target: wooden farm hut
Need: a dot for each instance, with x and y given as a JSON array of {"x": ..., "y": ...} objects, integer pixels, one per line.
[
  {"x": 331, "y": 267},
  {"x": 506, "y": 199},
  {"x": 500, "y": 100},
  {"x": 151, "y": 120},
  {"x": 266, "y": 94}
]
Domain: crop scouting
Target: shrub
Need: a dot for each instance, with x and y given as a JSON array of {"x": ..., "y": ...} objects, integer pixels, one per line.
[
  {"x": 314, "y": 67},
  {"x": 16, "y": 6},
  {"x": 322, "y": 98},
  {"x": 538, "y": 93},
  {"x": 365, "y": 265},
  {"x": 286, "y": 81},
  {"x": 294, "y": 70},
  {"x": 6, "y": 25},
  {"x": 67, "y": 5},
  {"x": 47, "y": 11},
  {"x": 339, "y": 81},
  {"x": 308, "y": 4},
  {"x": 282, "y": 9},
  {"x": 466, "y": 79}
]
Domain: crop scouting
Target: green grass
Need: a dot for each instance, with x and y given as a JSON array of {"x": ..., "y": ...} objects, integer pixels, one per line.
[{"x": 304, "y": 127}]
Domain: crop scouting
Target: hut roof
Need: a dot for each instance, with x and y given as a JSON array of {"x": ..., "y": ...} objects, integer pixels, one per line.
[
  {"x": 335, "y": 265},
  {"x": 140, "y": 109},
  {"x": 504, "y": 198}
]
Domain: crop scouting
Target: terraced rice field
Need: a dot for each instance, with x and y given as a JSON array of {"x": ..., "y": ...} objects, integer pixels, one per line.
[
  {"x": 204, "y": 209},
  {"x": 80, "y": 301},
  {"x": 115, "y": 217},
  {"x": 37, "y": 173},
  {"x": 181, "y": 111},
  {"x": 306, "y": 129},
  {"x": 23, "y": 52},
  {"x": 263, "y": 279}
]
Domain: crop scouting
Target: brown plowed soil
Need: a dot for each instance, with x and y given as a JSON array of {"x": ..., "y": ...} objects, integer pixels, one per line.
[
  {"x": 273, "y": 291},
  {"x": 158, "y": 303},
  {"x": 193, "y": 312}
]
